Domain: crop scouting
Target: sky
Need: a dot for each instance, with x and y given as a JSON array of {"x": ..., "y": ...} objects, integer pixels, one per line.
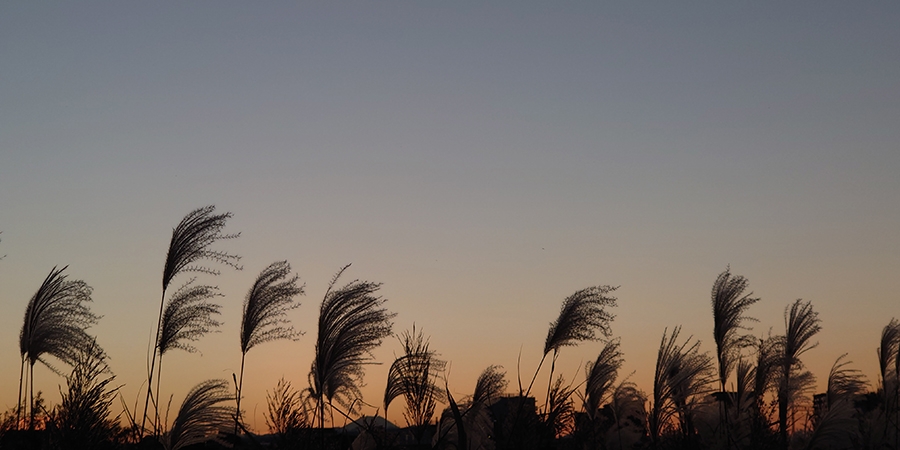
[{"x": 481, "y": 160}]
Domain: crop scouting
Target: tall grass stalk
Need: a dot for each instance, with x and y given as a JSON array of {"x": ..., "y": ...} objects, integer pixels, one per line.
[
  {"x": 55, "y": 324},
  {"x": 190, "y": 243},
  {"x": 265, "y": 315}
]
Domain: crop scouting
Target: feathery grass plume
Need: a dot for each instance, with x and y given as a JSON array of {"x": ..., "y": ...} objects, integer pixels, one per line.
[
  {"x": 843, "y": 382},
  {"x": 582, "y": 315},
  {"x": 743, "y": 394},
  {"x": 628, "y": 407},
  {"x": 887, "y": 351},
  {"x": 55, "y": 324},
  {"x": 801, "y": 324},
  {"x": 352, "y": 322},
  {"x": 560, "y": 417},
  {"x": 889, "y": 367},
  {"x": 600, "y": 376},
  {"x": 491, "y": 384},
  {"x": 682, "y": 377},
  {"x": 413, "y": 376},
  {"x": 265, "y": 314},
  {"x": 764, "y": 374},
  {"x": 729, "y": 303},
  {"x": 82, "y": 419},
  {"x": 836, "y": 429},
  {"x": 267, "y": 304},
  {"x": 469, "y": 425},
  {"x": 191, "y": 242},
  {"x": 201, "y": 415},
  {"x": 187, "y": 317},
  {"x": 286, "y": 410}
]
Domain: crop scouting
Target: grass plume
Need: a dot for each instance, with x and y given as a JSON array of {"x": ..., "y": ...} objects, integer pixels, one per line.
[
  {"x": 190, "y": 244},
  {"x": 265, "y": 314},
  {"x": 55, "y": 324},
  {"x": 201, "y": 415},
  {"x": 352, "y": 322}
]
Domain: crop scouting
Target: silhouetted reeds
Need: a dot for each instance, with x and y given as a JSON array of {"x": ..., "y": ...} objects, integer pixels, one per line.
[
  {"x": 600, "y": 376},
  {"x": 187, "y": 317},
  {"x": 286, "y": 412},
  {"x": 681, "y": 379},
  {"x": 352, "y": 322},
  {"x": 82, "y": 419},
  {"x": 729, "y": 303},
  {"x": 265, "y": 314},
  {"x": 468, "y": 425},
  {"x": 201, "y": 416},
  {"x": 582, "y": 317},
  {"x": 55, "y": 324},
  {"x": 413, "y": 376},
  {"x": 190, "y": 243},
  {"x": 889, "y": 370},
  {"x": 801, "y": 324}
]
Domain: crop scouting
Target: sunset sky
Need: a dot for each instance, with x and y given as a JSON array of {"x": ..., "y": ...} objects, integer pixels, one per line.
[{"x": 483, "y": 160}]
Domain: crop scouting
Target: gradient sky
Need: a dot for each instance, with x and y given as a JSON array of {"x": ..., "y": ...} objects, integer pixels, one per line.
[{"x": 483, "y": 161}]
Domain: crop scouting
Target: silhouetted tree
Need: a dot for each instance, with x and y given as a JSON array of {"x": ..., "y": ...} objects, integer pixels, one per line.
[
  {"x": 265, "y": 314},
  {"x": 191, "y": 242},
  {"x": 56, "y": 320}
]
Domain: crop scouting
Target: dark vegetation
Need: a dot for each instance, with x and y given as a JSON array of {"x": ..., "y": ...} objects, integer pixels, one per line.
[{"x": 753, "y": 393}]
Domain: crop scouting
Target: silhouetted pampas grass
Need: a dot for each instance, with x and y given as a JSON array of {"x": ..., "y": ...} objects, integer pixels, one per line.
[
  {"x": 286, "y": 410},
  {"x": 600, "y": 376},
  {"x": 55, "y": 322},
  {"x": 191, "y": 242},
  {"x": 187, "y": 317},
  {"x": 469, "y": 425},
  {"x": 582, "y": 316},
  {"x": 889, "y": 368},
  {"x": 844, "y": 382},
  {"x": 801, "y": 324},
  {"x": 82, "y": 419},
  {"x": 729, "y": 304},
  {"x": 352, "y": 322},
  {"x": 201, "y": 415},
  {"x": 682, "y": 377},
  {"x": 413, "y": 377},
  {"x": 265, "y": 314}
]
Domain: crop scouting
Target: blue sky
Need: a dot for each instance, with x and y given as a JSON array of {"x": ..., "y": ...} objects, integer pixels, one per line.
[{"x": 483, "y": 161}]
